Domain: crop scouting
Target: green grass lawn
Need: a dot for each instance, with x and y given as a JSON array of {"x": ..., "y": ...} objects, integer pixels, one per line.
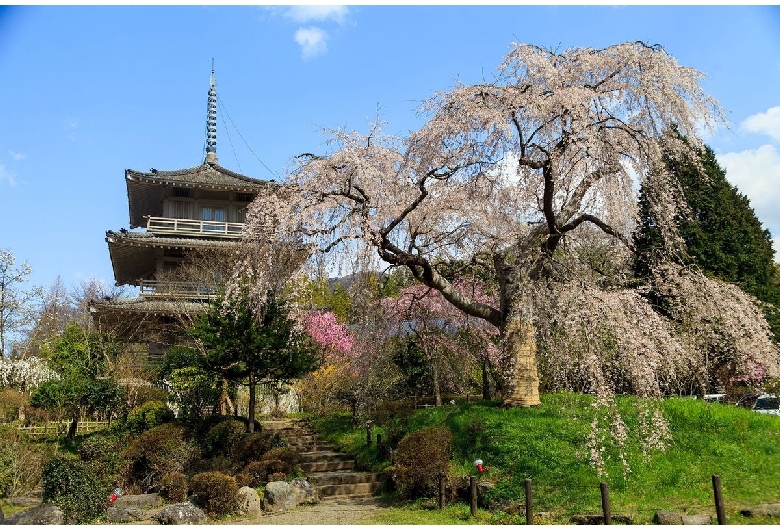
[{"x": 548, "y": 445}]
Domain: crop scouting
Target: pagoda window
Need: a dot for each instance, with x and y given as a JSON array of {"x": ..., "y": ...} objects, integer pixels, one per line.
[
  {"x": 211, "y": 213},
  {"x": 180, "y": 209}
]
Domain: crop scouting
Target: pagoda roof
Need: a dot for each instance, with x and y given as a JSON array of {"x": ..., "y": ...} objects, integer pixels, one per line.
[
  {"x": 145, "y": 320},
  {"x": 146, "y": 190},
  {"x": 133, "y": 254},
  {"x": 209, "y": 176}
]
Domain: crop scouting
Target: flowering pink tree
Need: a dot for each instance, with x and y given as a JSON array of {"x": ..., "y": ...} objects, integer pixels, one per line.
[
  {"x": 357, "y": 369},
  {"x": 452, "y": 342}
]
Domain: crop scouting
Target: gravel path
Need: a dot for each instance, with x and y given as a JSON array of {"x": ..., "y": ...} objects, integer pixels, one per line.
[{"x": 329, "y": 512}]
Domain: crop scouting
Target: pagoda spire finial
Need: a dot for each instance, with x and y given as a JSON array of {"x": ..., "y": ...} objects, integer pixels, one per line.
[{"x": 211, "y": 120}]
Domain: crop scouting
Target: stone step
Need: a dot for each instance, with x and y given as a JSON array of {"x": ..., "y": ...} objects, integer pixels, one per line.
[
  {"x": 330, "y": 478},
  {"x": 324, "y": 456},
  {"x": 330, "y": 471},
  {"x": 314, "y": 467},
  {"x": 363, "y": 488},
  {"x": 311, "y": 447}
]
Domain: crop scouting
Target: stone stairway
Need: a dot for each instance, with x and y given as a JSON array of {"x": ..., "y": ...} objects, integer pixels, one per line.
[{"x": 331, "y": 472}]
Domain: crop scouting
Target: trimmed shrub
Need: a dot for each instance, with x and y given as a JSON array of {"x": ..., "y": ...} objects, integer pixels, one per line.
[
  {"x": 159, "y": 451},
  {"x": 287, "y": 455},
  {"x": 274, "y": 477},
  {"x": 149, "y": 415},
  {"x": 420, "y": 457},
  {"x": 174, "y": 487},
  {"x": 217, "y": 493},
  {"x": 222, "y": 438},
  {"x": 253, "y": 446},
  {"x": 224, "y": 464},
  {"x": 76, "y": 489},
  {"x": 258, "y": 472},
  {"x": 242, "y": 479}
]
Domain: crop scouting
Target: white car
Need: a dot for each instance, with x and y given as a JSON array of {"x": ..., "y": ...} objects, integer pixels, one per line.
[{"x": 767, "y": 404}]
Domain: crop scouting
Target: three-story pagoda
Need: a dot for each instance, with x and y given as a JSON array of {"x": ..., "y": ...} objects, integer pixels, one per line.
[{"x": 180, "y": 213}]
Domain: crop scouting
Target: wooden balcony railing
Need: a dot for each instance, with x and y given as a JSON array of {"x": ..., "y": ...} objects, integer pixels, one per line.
[
  {"x": 168, "y": 225},
  {"x": 164, "y": 289}
]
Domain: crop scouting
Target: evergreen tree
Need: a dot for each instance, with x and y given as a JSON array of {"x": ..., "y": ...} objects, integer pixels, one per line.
[
  {"x": 722, "y": 234},
  {"x": 254, "y": 345}
]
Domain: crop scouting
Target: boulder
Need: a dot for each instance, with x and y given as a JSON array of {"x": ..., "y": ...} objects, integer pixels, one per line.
[
  {"x": 598, "y": 518},
  {"x": 118, "y": 514},
  {"x": 278, "y": 497},
  {"x": 765, "y": 510},
  {"x": 664, "y": 517},
  {"x": 249, "y": 501},
  {"x": 482, "y": 489},
  {"x": 696, "y": 519},
  {"x": 304, "y": 492},
  {"x": 145, "y": 500},
  {"x": 183, "y": 513},
  {"x": 45, "y": 514},
  {"x": 25, "y": 500}
]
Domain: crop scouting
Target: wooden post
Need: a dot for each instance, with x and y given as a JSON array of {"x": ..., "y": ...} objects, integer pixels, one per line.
[
  {"x": 529, "y": 514},
  {"x": 605, "y": 503},
  {"x": 719, "y": 508},
  {"x": 379, "y": 445},
  {"x": 368, "y": 433},
  {"x": 442, "y": 490},
  {"x": 473, "y": 494}
]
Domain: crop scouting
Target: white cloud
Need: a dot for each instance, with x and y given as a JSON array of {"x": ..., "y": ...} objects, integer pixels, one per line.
[
  {"x": 70, "y": 127},
  {"x": 776, "y": 246},
  {"x": 767, "y": 123},
  {"x": 17, "y": 156},
  {"x": 306, "y": 13},
  {"x": 756, "y": 173},
  {"x": 7, "y": 176},
  {"x": 313, "y": 41}
]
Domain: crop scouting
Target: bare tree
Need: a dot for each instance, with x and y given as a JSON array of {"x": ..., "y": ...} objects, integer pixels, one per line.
[
  {"x": 511, "y": 177},
  {"x": 18, "y": 306}
]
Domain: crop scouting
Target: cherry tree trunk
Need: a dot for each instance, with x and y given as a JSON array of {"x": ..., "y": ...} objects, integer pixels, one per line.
[
  {"x": 436, "y": 382},
  {"x": 252, "y": 387},
  {"x": 521, "y": 377}
]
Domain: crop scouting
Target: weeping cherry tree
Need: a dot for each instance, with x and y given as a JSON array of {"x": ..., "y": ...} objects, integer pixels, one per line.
[{"x": 514, "y": 177}]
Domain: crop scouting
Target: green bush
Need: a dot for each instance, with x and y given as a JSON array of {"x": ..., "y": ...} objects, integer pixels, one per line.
[
  {"x": 217, "y": 493},
  {"x": 223, "y": 437},
  {"x": 21, "y": 462},
  {"x": 149, "y": 415},
  {"x": 159, "y": 451},
  {"x": 174, "y": 487},
  {"x": 103, "y": 453},
  {"x": 420, "y": 457},
  {"x": 141, "y": 395},
  {"x": 254, "y": 445},
  {"x": 73, "y": 486}
]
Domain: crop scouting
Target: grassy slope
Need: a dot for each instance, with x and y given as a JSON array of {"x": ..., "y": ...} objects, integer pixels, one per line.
[{"x": 547, "y": 444}]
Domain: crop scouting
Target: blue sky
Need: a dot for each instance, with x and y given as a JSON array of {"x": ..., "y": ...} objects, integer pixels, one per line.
[{"x": 90, "y": 91}]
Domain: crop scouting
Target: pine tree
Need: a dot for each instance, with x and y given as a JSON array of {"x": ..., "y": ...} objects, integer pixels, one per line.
[
  {"x": 722, "y": 234},
  {"x": 251, "y": 346}
]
